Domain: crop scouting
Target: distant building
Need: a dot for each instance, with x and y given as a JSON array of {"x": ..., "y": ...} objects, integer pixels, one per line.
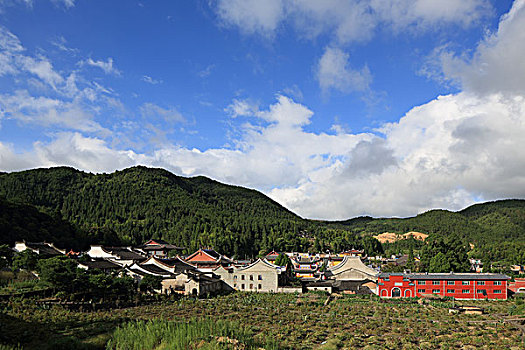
[
  {"x": 305, "y": 266},
  {"x": 261, "y": 276},
  {"x": 457, "y": 285},
  {"x": 40, "y": 248},
  {"x": 272, "y": 256},
  {"x": 476, "y": 265},
  {"x": 207, "y": 260},
  {"x": 354, "y": 252},
  {"x": 352, "y": 276},
  {"x": 102, "y": 265},
  {"x": 518, "y": 286},
  {"x": 158, "y": 248},
  {"x": 123, "y": 256}
]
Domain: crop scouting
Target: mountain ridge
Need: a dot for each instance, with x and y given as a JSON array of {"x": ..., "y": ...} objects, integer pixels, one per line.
[{"x": 139, "y": 203}]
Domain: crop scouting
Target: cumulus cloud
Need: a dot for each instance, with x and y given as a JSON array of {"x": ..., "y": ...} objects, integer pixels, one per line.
[
  {"x": 447, "y": 153},
  {"x": 497, "y": 64},
  {"x": 348, "y": 21},
  {"x": 334, "y": 72}
]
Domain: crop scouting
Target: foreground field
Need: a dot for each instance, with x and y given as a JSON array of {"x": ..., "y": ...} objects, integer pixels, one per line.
[{"x": 289, "y": 321}]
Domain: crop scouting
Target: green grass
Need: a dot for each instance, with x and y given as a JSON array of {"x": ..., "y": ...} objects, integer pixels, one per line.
[{"x": 205, "y": 333}]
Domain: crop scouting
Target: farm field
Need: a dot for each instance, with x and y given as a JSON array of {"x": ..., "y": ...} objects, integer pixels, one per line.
[{"x": 274, "y": 321}]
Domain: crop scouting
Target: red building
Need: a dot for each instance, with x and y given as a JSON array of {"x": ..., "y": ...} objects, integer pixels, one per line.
[
  {"x": 518, "y": 286},
  {"x": 457, "y": 285},
  {"x": 208, "y": 259}
]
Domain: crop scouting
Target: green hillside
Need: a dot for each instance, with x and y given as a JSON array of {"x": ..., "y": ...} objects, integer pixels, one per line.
[
  {"x": 496, "y": 229},
  {"x": 24, "y": 222},
  {"x": 139, "y": 203}
]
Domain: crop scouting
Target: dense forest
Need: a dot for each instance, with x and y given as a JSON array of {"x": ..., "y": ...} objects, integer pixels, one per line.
[
  {"x": 141, "y": 203},
  {"x": 496, "y": 230},
  {"x": 130, "y": 206}
]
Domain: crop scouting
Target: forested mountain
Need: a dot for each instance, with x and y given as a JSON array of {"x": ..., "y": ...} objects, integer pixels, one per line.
[
  {"x": 141, "y": 203},
  {"x": 21, "y": 221},
  {"x": 133, "y": 205},
  {"x": 496, "y": 229}
]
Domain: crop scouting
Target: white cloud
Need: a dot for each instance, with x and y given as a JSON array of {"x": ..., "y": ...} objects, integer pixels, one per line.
[
  {"x": 334, "y": 72},
  {"x": 42, "y": 68},
  {"x": 150, "y": 80},
  {"x": 170, "y": 115},
  {"x": 252, "y": 16},
  {"x": 447, "y": 153},
  {"x": 50, "y": 98},
  {"x": 107, "y": 66},
  {"x": 242, "y": 108},
  {"x": 66, "y": 3},
  {"x": 45, "y": 111},
  {"x": 9, "y": 42},
  {"x": 426, "y": 14},
  {"x": 497, "y": 64},
  {"x": 444, "y": 154},
  {"x": 60, "y": 42},
  {"x": 348, "y": 20},
  {"x": 206, "y": 71}
]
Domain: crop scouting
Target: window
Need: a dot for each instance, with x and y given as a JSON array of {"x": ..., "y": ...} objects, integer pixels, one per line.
[
  {"x": 497, "y": 291},
  {"x": 235, "y": 285},
  {"x": 251, "y": 277},
  {"x": 465, "y": 291},
  {"x": 421, "y": 283},
  {"x": 435, "y": 291},
  {"x": 251, "y": 285},
  {"x": 482, "y": 291},
  {"x": 421, "y": 291},
  {"x": 450, "y": 291},
  {"x": 242, "y": 286},
  {"x": 497, "y": 283},
  {"x": 242, "y": 277},
  {"x": 450, "y": 283},
  {"x": 259, "y": 286},
  {"x": 235, "y": 277},
  {"x": 465, "y": 283},
  {"x": 259, "y": 277},
  {"x": 435, "y": 283},
  {"x": 481, "y": 283}
]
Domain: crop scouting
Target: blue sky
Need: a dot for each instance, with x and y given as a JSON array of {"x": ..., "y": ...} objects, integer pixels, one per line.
[{"x": 333, "y": 108}]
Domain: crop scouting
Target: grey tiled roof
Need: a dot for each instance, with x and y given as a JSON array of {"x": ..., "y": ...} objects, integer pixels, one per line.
[{"x": 100, "y": 264}]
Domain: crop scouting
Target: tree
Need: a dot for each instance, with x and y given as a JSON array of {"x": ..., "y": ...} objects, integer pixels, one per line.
[
  {"x": 60, "y": 272},
  {"x": 283, "y": 260},
  {"x": 439, "y": 263},
  {"x": 26, "y": 259},
  {"x": 410, "y": 263},
  {"x": 6, "y": 256},
  {"x": 150, "y": 283},
  {"x": 452, "y": 250}
]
